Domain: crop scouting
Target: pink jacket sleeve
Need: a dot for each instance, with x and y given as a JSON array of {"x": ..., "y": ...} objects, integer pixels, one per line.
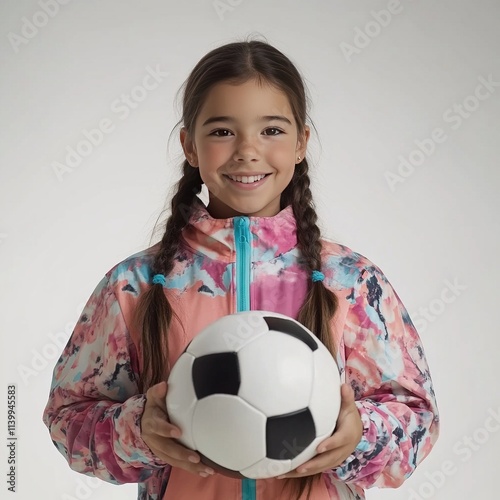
[
  {"x": 94, "y": 408},
  {"x": 386, "y": 366}
]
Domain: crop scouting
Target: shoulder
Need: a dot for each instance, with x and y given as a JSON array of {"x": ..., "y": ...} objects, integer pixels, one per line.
[
  {"x": 343, "y": 267},
  {"x": 134, "y": 271}
]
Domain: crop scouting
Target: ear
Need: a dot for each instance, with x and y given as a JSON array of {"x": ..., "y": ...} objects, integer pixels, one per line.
[
  {"x": 189, "y": 147},
  {"x": 302, "y": 141}
]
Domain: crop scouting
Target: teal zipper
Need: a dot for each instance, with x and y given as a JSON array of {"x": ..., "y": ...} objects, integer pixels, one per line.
[
  {"x": 243, "y": 251},
  {"x": 243, "y": 246},
  {"x": 248, "y": 489}
]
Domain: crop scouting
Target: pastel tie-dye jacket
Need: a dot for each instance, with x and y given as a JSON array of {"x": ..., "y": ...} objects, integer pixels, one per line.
[{"x": 94, "y": 407}]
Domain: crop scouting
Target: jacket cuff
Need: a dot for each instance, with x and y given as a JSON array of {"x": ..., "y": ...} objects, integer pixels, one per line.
[
  {"x": 129, "y": 445},
  {"x": 373, "y": 440}
]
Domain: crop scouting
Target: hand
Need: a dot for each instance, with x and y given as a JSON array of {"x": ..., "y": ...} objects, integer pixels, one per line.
[
  {"x": 159, "y": 434},
  {"x": 334, "y": 450}
]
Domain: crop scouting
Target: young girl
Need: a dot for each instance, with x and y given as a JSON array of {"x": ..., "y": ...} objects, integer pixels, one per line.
[{"x": 254, "y": 246}]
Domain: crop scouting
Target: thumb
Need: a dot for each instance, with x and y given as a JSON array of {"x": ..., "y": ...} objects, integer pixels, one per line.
[
  {"x": 161, "y": 389},
  {"x": 347, "y": 395},
  {"x": 158, "y": 393}
]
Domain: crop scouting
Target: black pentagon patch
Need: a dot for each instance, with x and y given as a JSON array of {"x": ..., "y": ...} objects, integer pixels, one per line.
[
  {"x": 216, "y": 374},
  {"x": 291, "y": 328},
  {"x": 289, "y": 435}
]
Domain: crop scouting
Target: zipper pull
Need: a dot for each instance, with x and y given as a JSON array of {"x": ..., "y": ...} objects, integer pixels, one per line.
[{"x": 242, "y": 224}]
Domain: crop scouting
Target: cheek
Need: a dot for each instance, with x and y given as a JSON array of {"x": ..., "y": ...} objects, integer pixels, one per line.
[
  {"x": 280, "y": 154},
  {"x": 215, "y": 152}
]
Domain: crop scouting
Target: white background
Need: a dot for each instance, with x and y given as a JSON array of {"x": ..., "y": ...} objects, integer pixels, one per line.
[{"x": 438, "y": 226}]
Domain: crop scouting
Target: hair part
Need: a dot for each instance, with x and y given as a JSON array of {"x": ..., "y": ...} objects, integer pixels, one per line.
[{"x": 237, "y": 63}]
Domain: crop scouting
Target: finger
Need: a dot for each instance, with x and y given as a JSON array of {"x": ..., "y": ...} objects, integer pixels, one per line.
[
  {"x": 200, "y": 469},
  {"x": 347, "y": 396},
  {"x": 325, "y": 461},
  {"x": 342, "y": 434},
  {"x": 182, "y": 457},
  {"x": 158, "y": 394},
  {"x": 195, "y": 468},
  {"x": 345, "y": 435},
  {"x": 155, "y": 418},
  {"x": 170, "y": 448},
  {"x": 155, "y": 422},
  {"x": 321, "y": 463},
  {"x": 338, "y": 439}
]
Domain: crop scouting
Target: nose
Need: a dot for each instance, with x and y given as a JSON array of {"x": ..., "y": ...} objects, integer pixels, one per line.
[{"x": 245, "y": 151}]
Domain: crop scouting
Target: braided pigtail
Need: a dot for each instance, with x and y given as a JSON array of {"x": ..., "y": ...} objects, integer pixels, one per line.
[
  {"x": 154, "y": 313},
  {"x": 320, "y": 304}
]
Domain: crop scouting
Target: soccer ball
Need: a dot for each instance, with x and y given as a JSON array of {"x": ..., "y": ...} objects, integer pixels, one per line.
[{"x": 254, "y": 393}]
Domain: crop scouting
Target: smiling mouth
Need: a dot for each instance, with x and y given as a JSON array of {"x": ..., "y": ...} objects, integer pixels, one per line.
[{"x": 244, "y": 176}]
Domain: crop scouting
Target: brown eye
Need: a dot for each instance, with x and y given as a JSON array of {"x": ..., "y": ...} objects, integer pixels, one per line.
[
  {"x": 274, "y": 128},
  {"x": 215, "y": 132}
]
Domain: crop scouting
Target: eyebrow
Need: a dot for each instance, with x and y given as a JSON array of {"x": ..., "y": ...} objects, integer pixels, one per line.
[{"x": 229, "y": 119}]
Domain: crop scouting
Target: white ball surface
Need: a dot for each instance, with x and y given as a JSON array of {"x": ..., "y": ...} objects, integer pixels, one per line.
[
  {"x": 224, "y": 426},
  {"x": 277, "y": 384},
  {"x": 254, "y": 393}
]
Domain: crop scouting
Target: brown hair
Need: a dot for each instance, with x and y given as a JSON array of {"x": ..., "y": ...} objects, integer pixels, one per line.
[{"x": 236, "y": 63}]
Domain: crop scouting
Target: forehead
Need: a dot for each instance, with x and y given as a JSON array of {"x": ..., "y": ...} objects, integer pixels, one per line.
[{"x": 245, "y": 100}]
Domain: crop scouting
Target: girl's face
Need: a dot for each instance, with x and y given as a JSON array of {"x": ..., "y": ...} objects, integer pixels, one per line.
[{"x": 245, "y": 130}]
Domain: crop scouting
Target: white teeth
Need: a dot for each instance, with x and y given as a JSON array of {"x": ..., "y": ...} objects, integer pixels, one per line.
[{"x": 247, "y": 180}]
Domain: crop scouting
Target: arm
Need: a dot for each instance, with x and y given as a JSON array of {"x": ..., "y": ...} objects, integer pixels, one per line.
[
  {"x": 94, "y": 409},
  {"x": 386, "y": 366}
]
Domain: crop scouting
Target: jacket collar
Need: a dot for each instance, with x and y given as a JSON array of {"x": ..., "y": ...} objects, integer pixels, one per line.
[{"x": 270, "y": 236}]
